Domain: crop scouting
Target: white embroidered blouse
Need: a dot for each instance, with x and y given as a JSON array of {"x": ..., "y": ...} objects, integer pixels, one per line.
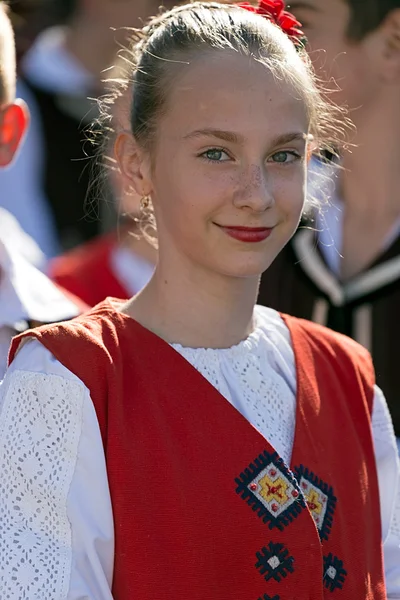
[{"x": 56, "y": 525}]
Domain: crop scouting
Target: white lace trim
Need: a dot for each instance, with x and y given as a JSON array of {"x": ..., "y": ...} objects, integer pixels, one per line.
[{"x": 40, "y": 428}]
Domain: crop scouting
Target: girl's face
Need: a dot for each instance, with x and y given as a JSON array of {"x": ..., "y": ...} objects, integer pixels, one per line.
[{"x": 228, "y": 169}]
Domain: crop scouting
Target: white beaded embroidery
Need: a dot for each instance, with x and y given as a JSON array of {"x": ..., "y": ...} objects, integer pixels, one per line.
[{"x": 40, "y": 428}]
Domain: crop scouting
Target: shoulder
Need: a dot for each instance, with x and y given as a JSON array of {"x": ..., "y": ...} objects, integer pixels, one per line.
[
  {"x": 311, "y": 341},
  {"x": 81, "y": 340},
  {"x": 36, "y": 383},
  {"x": 325, "y": 350},
  {"x": 325, "y": 338},
  {"x": 33, "y": 357},
  {"x": 36, "y": 368},
  {"x": 287, "y": 327},
  {"x": 86, "y": 349},
  {"x": 284, "y": 324}
]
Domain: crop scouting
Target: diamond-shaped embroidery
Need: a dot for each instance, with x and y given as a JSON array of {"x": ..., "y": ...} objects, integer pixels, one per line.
[
  {"x": 271, "y": 490},
  {"x": 274, "y": 562},
  {"x": 319, "y": 498},
  {"x": 334, "y": 573},
  {"x": 265, "y": 597}
]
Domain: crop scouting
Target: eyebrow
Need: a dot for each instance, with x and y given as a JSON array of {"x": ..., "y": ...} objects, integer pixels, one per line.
[
  {"x": 236, "y": 138},
  {"x": 226, "y": 136}
]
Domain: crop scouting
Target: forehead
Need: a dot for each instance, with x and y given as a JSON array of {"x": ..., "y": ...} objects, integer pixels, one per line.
[{"x": 225, "y": 90}]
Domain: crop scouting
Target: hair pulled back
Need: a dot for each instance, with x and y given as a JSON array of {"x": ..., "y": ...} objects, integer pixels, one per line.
[{"x": 172, "y": 42}]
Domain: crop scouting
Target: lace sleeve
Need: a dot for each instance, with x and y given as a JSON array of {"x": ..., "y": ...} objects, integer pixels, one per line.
[
  {"x": 389, "y": 488},
  {"x": 40, "y": 427},
  {"x": 392, "y": 553}
]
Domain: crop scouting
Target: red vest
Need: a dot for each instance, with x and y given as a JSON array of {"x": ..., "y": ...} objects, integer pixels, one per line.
[{"x": 204, "y": 508}]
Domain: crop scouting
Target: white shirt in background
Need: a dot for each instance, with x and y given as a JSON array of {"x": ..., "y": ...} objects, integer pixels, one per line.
[{"x": 26, "y": 294}]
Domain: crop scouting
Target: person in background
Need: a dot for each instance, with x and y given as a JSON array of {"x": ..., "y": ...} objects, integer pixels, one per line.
[
  {"x": 121, "y": 262},
  {"x": 187, "y": 442},
  {"x": 27, "y": 296},
  {"x": 343, "y": 268},
  {"x": 29, "y": 18},
  {"x": 48, "y": 188}
]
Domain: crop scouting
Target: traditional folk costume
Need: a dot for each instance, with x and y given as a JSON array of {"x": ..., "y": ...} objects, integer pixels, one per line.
[
  {"x": 101, "y": 268},
  {"x": 305, "y": 281},
  {"x": 264, "y": 471}
]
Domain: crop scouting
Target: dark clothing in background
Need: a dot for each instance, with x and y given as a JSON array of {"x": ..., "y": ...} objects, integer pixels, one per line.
[
  {"x": 366, "y": 308},
  {"x": 68, "y": 158}
]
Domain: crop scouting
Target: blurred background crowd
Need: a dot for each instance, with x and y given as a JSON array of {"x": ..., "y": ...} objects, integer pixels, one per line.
[{"x": 69, "y": 214}]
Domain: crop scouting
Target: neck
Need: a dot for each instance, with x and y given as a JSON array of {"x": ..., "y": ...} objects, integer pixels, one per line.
[
  {"x": 196, "y": 308},
  {"x": 136, "y": 243},
  {"x": 371, "y": 176}
]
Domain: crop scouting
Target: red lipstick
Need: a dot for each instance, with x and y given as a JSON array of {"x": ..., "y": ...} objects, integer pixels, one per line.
[{"x": 248, "y": 234}]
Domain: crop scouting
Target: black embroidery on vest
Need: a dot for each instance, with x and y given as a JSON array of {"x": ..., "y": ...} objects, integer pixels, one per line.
[
  {"x": 320, "y": 499},
  {"x": 271, "y": 490},
  {"x": 274, "y": 562},
  {"x": 265, "y": 597},
  {"x": 334, "y": 574}
]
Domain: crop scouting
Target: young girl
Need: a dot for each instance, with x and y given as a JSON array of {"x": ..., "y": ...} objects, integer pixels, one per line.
[{"x": 187, "y": 443}]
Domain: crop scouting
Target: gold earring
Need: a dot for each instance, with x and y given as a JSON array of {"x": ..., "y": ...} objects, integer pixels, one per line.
[{"x": 145, "y": 203}]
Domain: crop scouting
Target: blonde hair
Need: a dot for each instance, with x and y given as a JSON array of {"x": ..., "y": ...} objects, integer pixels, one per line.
[{"x": 171, "y": 40}]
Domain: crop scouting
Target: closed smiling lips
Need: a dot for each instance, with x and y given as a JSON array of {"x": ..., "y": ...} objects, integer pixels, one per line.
[{"x": 247, "y": 234}]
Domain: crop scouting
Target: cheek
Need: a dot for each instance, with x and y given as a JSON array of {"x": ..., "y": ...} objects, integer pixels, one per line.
[
  {"x": 289, "y": 193},
  {"x": 194, "y": 190},
  {"x": 180, "y": 203}
]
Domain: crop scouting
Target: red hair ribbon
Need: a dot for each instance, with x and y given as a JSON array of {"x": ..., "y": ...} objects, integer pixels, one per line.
[{"x": 274, "y": 10}]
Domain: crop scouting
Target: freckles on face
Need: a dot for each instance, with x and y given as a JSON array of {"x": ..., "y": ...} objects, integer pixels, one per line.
[{"x": 228, "y": 153}]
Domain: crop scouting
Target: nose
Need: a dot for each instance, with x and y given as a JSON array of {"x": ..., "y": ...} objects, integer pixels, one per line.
[{"x": 255, "y": 190}]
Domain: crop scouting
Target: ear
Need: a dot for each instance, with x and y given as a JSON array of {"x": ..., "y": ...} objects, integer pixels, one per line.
[
  {"x": 134, "y": 163},
  {"x": 391, "y": 34},
  {"x": 14, "y": 120}
]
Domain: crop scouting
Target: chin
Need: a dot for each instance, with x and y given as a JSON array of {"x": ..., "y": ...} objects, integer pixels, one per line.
[{"x": 249, "y": 269}]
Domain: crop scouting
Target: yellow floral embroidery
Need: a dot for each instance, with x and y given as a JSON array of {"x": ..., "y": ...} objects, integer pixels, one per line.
[
  {"x": 314, "y": 503},
  {"x": 274, "y": 490}
]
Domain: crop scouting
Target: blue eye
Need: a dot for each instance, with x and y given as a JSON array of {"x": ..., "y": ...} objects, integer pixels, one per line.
[
  {"x": 215, "y": 155},
  {"x": 284, "y": 157}
]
